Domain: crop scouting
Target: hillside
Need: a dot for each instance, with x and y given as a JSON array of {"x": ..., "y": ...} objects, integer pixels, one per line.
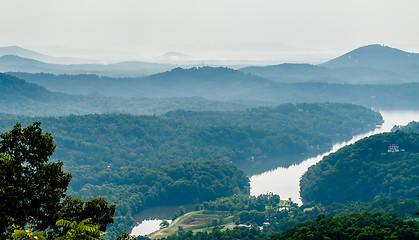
[
  {"x": 229, "y": 86},
  {"x": 220, "y": 84},
  {"x": 14, "y": 88},
  {"x": 23, "y": 98},
  {"x": 208, "y": 82},
  {"x": 375, "y": 56},
  {"x": 292, "y": 73},
  {"x": 255, "y": 136},
  {"x": 26, "y": 53},
  {"x": 383, "y": 165},
  {"x": 13, "y": 63},
  {"x": 372, "y": 64},
  {"x": 411, "y": 127}
]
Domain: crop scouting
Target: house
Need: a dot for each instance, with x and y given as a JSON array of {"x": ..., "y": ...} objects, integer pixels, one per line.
[{"x": 393, "y": 148}]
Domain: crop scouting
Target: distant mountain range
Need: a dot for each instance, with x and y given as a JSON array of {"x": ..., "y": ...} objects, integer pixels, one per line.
[
  {"x": 90, "y": 88},
  {"x": 23, "y": 98},
  {"x": 376, "y": 57},
  {"x": 211, "y": 83},
  {"x": 228, "y": 86},
  {"x": 372, "y": 64},
  {"x": 16, "y": 59},
  {"x": 26, "y": 53}
]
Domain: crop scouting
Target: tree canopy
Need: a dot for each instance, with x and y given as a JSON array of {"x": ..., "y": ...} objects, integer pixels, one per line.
[
  {"x": 383, "y": 165},
  {"x": 32, "y": 189},
  {"x": 31, "y": 186}
]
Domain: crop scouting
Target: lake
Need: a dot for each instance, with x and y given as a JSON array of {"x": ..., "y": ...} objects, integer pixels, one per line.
[
  {"x": 281, "y": 181},
  {"x": 286, "y": 181},
  {"x": 149, "y": 220}
]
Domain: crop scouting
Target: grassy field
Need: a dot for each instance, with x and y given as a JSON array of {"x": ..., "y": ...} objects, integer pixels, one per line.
[
  {"x": 196, "y": 221},
  {"x": 200, "y": 221}
]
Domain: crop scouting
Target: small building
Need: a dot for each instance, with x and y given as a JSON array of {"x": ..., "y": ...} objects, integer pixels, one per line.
[{"x": 393, "y": 148}]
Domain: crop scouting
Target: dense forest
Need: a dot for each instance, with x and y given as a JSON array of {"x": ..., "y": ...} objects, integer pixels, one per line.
[
  {"x": 312, "y": 222},
  {"x": 144, "y": 161},
  {"x": 353, "y": 226},
  {"x": 383, "y": 165},
  {"x": 135, "y": 189},
  {"x": 281, "y": 214},
  {"x": 411, "y": 127},
  {"x": 250, "y": 136},
  {"x": 230, "y": 127}
]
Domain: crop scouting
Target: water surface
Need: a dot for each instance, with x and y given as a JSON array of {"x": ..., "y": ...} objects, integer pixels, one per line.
[{"x": 285, "y": 181}]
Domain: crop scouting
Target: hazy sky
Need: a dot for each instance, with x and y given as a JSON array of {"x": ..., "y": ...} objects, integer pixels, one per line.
[{"x": 209, "y": 28}]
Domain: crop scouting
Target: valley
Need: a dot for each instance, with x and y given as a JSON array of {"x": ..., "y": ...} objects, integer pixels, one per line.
[{"x": 231, "y": 144}]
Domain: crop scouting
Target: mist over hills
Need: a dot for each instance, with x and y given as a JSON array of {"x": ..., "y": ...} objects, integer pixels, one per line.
[
  {"x": 13, "y": 63},
  {"x": 207, "y": 82},
  {"x": 107, "y": 141},
  {"x": 26, "y": 53},
  {"x": 223, "y": 87},
  {"x": 23, "y": 98},
  {"x": 13, "y": 88},
  {"x": 374, "y": 56},
  {"x": 372, "y": 64},
  {"x": 228, "y": 86}
]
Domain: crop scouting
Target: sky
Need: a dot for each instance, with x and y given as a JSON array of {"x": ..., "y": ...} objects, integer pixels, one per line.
[{"x": 283, "y": 30}]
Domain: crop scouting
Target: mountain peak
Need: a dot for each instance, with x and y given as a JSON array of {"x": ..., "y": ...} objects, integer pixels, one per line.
[
  {"x": 174, "y": 56},
  {"x": 373, "y": 56}
]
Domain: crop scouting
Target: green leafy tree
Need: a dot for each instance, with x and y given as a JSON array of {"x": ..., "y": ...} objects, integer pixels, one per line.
[
  {"x": 31, "y": 187},
  {"x": 125, "y": 236},
  {"x": 79, "y": 230},
  {"x": 164, "y": 224},
  {"x": 97, "y": 209},
  {"x": 19, "y": 234}
]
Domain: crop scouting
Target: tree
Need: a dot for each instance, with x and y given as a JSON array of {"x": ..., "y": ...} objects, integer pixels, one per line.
[
  {"x": 97, "y": 209},
  {"x": 27, "y": 235},
  {"x": 125, "y": 236},
  {"x": 79, "y": 231},
  {"x": 31, "y": 187},
  {"x": 164, "y": 224}
]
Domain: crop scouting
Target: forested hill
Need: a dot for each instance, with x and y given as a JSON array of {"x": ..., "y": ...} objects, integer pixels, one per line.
[
  {"x": 23, "y": 98},
  {"x": 292, "y": 73},
  {"x": 15, "y": 88},
  {"x": 372, "y": 64},
  {"x": 227, "y": 85},
  {"x": 208, "y": 82},
  {"x": 375, "y": 56},
  {"x": 13, "y": 63},
  {"x": 220, "y": 75},
  {"x": 383, "y": 165},
  {"x": 411, "y": 127},
  {"x": 252, "y": 135},
  {"x": 144, "y": 161}
]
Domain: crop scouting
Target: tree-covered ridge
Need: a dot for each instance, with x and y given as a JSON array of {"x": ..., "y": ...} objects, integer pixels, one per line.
[
  {"x": 216, "y": 85},
  {"x": 280, "y": 222},
  {"x": 149, "y": 141},
  {"x": 383, "y": 165},
  {"x": 135, "y": 189},
  {"x": 411, "y": 127},
  {"x": 280, "y": 214},
  {"x": 23, "y": 98},
  {"x": 353, "y": 226}
]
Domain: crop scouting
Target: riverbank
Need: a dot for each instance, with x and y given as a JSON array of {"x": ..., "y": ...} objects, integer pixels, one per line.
[{"x": 273, "y": 180}]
